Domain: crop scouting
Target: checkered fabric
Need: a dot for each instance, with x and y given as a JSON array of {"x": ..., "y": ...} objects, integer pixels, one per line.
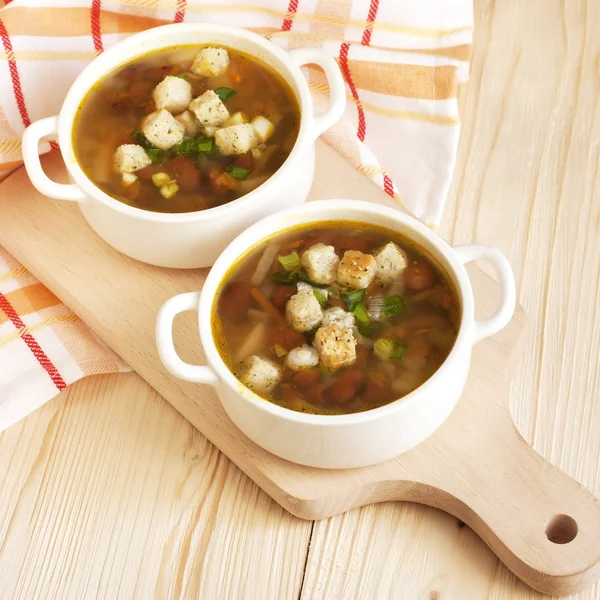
[{"x": 402, "y": 61}]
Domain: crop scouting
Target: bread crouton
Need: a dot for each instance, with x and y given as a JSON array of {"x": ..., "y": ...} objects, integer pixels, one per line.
[
  {"x": 336, "y": 346},
  {"x": 356, "y": 270},
  {"x": 391, "y": 262},
  {"x": 338, "y": 316},
  {"x": 321, "y": 263},
  {"x": 209, "y": 109},
  {"x": 162, "y": 130},
  {"x": 189, "y": 122},
  {"x": 210, "y": 62},
  {"x": 303, "y": 311},
  {"x": 259, "y": 374},
  {"x": 173, "y": 94},
  {"x": 237, "y": 139},
  {"x": 129, "y": 158}
]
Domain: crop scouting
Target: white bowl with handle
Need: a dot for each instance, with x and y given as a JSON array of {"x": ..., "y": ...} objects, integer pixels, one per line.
[
  {"x": 359, "y": 439},
  {"x": 195, "y": 239}
]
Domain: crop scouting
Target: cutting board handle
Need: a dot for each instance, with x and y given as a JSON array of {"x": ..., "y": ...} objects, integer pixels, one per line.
[{"x": 540, "y": 522}]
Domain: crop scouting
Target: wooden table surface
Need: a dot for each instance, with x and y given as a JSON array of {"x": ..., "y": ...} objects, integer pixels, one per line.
[{"x": 105, "y": 493}]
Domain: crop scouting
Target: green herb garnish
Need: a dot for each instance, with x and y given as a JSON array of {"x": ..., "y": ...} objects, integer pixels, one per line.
[
  {"x": 399, "y": 352},
  {"x": 368, "y": 329},
  {"x": 225, "y": 93},
  {"x": 155, "y": 154},
  {"x": 290, "y": 262},
  {"x": 392, "y": 305},
  {"x": 292, "y": 277},
  {"x": 138, "y": 136},
  {"x": 181, "y": 75},
  {"x": 321, "y": 298},
  {"x": 352, "y": 299},
  {"x": 287, "y": 276},
  {"x": 195, "y": 147},
  {"x": 361, "y": 313},
  {"x": 239, "y": 174}
]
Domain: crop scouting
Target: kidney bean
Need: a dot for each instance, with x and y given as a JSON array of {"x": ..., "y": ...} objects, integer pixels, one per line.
[
  {"x": 346, "y": 386},
  {"x": 281, "y": 295},
  {"x": 235, "y": 300},
  {"x": 418, "y": 276}
]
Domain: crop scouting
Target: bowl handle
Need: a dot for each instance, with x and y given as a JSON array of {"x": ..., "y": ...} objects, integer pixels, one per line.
[
  {"x": 337, "y": 87},
  {"x": 503, "y": 315},
  {"x": 164, "y": 340},
  {"x": 31, "y": 156}
]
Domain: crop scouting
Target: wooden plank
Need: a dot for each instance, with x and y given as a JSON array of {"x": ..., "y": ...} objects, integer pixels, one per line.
[
  {"x": 107, "y": 492},
  {"x": 526, "y": 181}
]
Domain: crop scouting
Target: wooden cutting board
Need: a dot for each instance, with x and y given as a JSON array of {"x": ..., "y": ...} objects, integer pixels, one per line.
[{"x": 542, "y": 524}]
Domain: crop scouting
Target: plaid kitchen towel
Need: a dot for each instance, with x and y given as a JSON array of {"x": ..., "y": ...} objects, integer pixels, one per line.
[{"x": 402, "y": 61}]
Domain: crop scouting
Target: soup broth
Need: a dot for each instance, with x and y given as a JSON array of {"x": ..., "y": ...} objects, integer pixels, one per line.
[
  {"x": 335, "y": 318},
  {"x": 186, "y": 129}
]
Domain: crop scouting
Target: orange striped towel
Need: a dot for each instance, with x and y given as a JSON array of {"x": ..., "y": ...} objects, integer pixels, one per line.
[{"x": 402, "y": 61}]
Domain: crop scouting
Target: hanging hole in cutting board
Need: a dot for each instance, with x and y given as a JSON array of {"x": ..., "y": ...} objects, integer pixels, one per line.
[{"x": 561, "y": 529}]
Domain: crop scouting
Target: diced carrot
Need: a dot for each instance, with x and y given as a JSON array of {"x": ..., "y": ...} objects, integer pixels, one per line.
[{"x": 267, "y": 306}]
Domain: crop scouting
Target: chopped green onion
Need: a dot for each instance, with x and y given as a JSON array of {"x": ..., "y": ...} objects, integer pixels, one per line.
[
  {"x": 160, "y": 179},
  {"x": 155, "y": 154},
  {"x": 225, "y": 93},
  {"x": 352, "y": 299},
  {"x": 139, "y": 137},
  {"x": 290, "y": 262},
  {"x": 399, "y": 352},
  {"x": 195, "y": 147},
  {"x": 181, "y": 75},
  {"x": 361, "y": 313},
  {"x": 392, "y": 305},
  {"x": 322, "y": 300},
  {"x": 239, "y": 174},
  {"x": 291, "y": 277},
  {"x": 368, "y": 329},
  {"x": 383, "y": 348}
]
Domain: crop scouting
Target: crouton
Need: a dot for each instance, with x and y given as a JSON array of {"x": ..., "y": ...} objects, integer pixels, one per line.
[
  {"x": 173, "y": 94},
  {"x": 303, "y": 311},
  {"x": 129, "y": 158},
  {"x": 336, "y": 346},
  {"x": 391, "y": 262},
  {"x": 236, "y": 119},
  {"x": 262, "y": 127},
  {"x": 338, "y": 316},
  {"x": 209, "y": 109},
  {"x": 237, "y": 139},
  {"x": 356, "y": 270},
  {"x": 259, "y": 374},
  {"x": 210, "y": 62},
  {"x": 190, "y": 125},
  {"x": 321, "y": 263},
  {"x": 302, "y": 358},
  {"x": 162, "y": 130}
]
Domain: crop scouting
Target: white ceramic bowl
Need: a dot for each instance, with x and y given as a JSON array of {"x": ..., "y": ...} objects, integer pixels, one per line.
[
  {"x": 190, "y": 239},
  {"x": 358, "y": 439}
]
